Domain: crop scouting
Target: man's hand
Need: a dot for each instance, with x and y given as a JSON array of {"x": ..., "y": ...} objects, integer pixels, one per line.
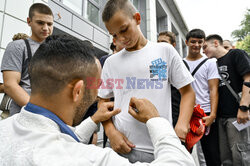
[
  {"x": 105, "y": 112},
  {"x": 209, "y": 120},
  {"x": 120, "y": 143},
  {"x": 142, "y": 109},
  {"x": 181, "y": 131},
  {"x": 242, "y": 117}
]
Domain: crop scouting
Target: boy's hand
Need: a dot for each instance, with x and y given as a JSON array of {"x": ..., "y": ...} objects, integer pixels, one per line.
[
  {"x": 105, "y": 112},
  {"x": 181, "y": 131},
  {"x": 142, "y": 109},
  {"x": 242, "y": 117},
  {"x": 209, "y": 120},
  {"x": 120, "y": 143}
]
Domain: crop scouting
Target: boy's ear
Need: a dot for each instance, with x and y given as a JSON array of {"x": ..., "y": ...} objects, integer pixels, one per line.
[
  {"x": 137, "y": 18},
  {"x": 28, "y": 21},
  {"x": 216, "y": 43}
]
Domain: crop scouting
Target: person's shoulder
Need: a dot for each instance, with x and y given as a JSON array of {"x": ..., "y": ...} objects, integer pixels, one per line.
[
  {"x": 103, "y": 58},
  {"x": 162, "y": 45},
  {"x": 18, "y": 44},
  {"x": 237, "y": 54},
  {"x": 211, "y": 60}
]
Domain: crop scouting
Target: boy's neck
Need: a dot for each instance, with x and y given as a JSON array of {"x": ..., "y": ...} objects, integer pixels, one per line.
[
  {"x": 221, "y": 52},
  {"x": 34, "y": 38},
  {"x": 142, "y": 41},
  {"x": 191, "y": 57}
]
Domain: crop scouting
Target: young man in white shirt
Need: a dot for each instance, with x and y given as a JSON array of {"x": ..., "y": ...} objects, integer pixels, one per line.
[{"x": 206, "y": 92}]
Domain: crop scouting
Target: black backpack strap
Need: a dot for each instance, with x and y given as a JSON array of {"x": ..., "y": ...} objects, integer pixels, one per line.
[
  {"x": 197, "y": 68},
  {"x": 28, "y": 49},
  {"x": 26, "y": 61},
  {"x": 186, "y": 64}
]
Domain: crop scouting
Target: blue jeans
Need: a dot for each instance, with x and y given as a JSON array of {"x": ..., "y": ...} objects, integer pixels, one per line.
[{"x": 234, "y": 144}]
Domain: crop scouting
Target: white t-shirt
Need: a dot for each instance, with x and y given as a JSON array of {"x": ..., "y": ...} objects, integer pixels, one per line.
[
  {"x": 28, "y": 139},
  {"x": 145, "y": 73},
  {"x": 206, "y": 72}
]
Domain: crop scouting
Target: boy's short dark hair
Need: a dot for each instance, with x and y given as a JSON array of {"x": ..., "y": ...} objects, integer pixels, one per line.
[
  {"x": 58, "y": 61},
  {"x": 112, "y": 47},
  {"x": 112, "y": 6},
  {"x": 171, "y": 35},
  {"x": 196, "y": 33},
  {"x": 215, "y": 37},
  {"x": 40, "y": 8}
]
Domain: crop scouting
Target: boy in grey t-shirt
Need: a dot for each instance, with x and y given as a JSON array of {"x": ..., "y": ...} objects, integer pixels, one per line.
[{"x": 14, "y": 63}]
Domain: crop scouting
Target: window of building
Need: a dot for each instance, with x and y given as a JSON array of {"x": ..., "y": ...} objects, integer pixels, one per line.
[
  {"x": 136, "y": 3},
  {"x": 75, "y": 5},
  {"x": 92, "y": 12}
]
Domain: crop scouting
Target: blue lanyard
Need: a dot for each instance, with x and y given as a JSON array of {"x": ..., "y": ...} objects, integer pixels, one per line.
[{"x": 42, "y": 111}]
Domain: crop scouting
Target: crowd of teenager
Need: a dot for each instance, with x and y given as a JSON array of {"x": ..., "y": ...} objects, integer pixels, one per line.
[{"x": 153, "y": 105}]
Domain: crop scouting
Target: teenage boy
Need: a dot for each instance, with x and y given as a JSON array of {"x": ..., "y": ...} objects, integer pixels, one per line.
[
  {"x": 145, "y": 70},
  {"x": 234, "y": 66},
  {"x": 15, "y": 59},
  {"x": 206, "y": 92},
  {"x": 167, "y": 37}
]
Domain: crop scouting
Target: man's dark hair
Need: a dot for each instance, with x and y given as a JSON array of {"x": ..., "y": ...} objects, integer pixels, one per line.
[
  {"x": 195, "y": 33},
  {"x": 39, "y": 8},
  {"x": 112, "y": 47},
  {"x": 112, "y": 6},
  {"x": 171, "y": 35},
  {"x": 215, "y": 37},
  {"x": 58, "y": 61}
]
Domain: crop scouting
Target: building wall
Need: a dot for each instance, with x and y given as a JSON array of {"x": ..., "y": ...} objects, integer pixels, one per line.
[{"x": 167, "y": 21}]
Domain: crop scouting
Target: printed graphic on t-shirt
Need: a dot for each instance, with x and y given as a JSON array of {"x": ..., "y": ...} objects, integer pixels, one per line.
[
  {"x": 158, "y": 70},
  {"x": 225, "y": 75}
]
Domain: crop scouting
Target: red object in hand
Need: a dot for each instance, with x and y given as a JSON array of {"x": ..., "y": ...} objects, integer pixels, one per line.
[{"x": 197, "y": 127}]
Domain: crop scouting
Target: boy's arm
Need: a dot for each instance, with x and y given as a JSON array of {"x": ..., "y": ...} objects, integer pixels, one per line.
[
  {"x": 186, "y": 111},
  {"x": 214, "y": 95},
  {"x": 13, "y": 89},
  {"x": 118, "y": 141},
  {"x": 243, "y": 117}
]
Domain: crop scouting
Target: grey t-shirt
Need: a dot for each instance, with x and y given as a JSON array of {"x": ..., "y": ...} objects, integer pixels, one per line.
[{"x": 13, "y": 60}]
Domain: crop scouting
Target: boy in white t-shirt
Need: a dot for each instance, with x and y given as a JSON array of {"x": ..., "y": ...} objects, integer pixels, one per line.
[
  {"x": 206, "y": 92},
  {"x": 144, "y": 70}
]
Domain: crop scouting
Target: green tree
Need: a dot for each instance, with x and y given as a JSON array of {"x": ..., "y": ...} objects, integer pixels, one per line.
[
  {"x": 240, "y": 34},
  {"x": 244, "y": 44}
]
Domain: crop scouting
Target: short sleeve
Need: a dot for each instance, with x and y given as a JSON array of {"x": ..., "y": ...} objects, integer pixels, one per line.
[
  {"x": 212, "y": 70},
  {"x": 242, "y": 62},
  {"x": 13, "y": 56},
  {"x": 178, "y": 72},
  {"x": 105, "y": 92}
]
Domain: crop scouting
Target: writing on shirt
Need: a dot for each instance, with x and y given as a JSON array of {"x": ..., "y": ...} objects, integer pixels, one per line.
[
  {"x": 131, "y": 83},
  {"x": 158, "y": 69}
]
